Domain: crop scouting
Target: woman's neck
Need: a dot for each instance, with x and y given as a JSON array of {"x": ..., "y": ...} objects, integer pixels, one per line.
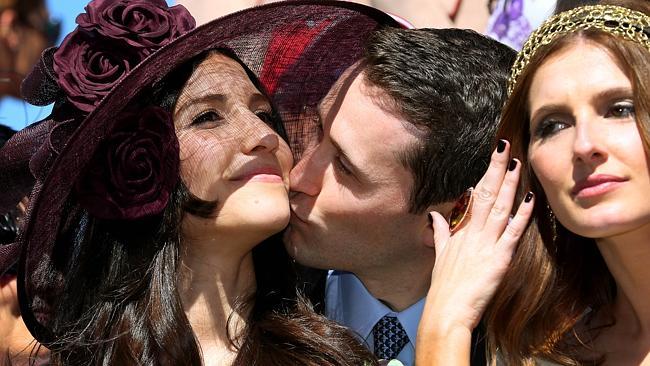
[
  {"x": 214, "y": 286},
  {"x": 628, "y": 259}
]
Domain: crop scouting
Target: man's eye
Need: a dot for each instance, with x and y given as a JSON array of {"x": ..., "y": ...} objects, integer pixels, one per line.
[
  {"x": 340, "y": 166},
  {"x": 621, "y": 110},
  {"x": 208, "y": 116}
]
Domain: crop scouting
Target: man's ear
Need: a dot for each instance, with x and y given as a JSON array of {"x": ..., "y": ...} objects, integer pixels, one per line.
[{"x": 427, "y": 233}]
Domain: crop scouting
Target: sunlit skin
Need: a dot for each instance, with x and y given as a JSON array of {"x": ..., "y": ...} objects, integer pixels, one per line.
[
  {"x": 350, "y": 198},
  {"x": 231, "y": 155},
  {"x": 588, "y": 155}
]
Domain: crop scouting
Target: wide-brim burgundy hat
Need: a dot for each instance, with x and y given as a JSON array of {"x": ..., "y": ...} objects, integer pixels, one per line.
[{"x": 297, "y": 49}]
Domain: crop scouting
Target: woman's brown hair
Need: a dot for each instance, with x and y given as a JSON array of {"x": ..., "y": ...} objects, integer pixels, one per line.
[{"x": 559, "y": 280}]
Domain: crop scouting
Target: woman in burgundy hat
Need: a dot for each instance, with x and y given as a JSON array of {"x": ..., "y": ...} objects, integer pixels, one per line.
[{"x": 161, "y": 179}]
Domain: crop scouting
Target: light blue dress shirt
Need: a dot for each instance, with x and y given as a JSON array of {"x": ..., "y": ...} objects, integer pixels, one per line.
[{"x": 349, "y": 303}]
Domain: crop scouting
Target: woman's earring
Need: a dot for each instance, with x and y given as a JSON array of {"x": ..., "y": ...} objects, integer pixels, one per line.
[{"x": 553, "y": 221}]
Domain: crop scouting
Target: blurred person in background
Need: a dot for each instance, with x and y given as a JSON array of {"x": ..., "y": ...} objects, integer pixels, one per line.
[
  {"x": 564, "y": 5},
  {"x": 25, "y": 31},
  {"x": 472, "y": 14},
  {"x": 512, "y": 21}
]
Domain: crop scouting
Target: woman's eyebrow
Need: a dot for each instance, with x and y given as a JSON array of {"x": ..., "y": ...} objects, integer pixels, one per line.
[
  {"x": 613, "y": 93},
  {"x": 548, "y": 109},
  {"x": 206, "y": 97},
  {"x": 258, "y": 98}
]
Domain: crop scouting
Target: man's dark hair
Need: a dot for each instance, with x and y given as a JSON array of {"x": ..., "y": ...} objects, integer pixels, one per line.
[{"x": 450, "y": 84}]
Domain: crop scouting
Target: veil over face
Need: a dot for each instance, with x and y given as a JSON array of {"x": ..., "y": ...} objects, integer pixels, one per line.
[{"x": 231, "y": 154}]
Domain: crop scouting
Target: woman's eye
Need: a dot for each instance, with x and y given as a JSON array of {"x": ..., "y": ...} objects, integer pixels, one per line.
[
  {"x": 266, "y": 117},
  {"x": 550, "y": 127},
  {"x": 208, "y": 116},
  {"x": 621, "y": 110}
]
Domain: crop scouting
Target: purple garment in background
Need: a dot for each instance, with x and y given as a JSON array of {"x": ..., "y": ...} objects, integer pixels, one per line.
[{"x": 508, "y": 24}]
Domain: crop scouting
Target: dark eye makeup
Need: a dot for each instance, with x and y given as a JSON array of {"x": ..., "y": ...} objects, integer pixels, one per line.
[{"x": 207, "y": 116}]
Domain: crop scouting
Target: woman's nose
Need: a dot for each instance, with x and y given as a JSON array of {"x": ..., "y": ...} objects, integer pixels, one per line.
[
  {"x": 588, "y": 143},
  {"x": 259, "y": 136}
]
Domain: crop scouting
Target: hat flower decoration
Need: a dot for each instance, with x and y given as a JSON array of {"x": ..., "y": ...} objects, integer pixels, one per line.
[
  {"x": 112, "y": 37},
  {"x": 136, "y": 167}
]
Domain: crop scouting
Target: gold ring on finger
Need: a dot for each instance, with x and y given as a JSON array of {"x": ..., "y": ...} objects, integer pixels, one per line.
[{"x": 461, "y": 212}]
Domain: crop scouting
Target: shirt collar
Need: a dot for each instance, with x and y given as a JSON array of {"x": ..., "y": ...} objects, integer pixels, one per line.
[{"x": 361, "y": 311}]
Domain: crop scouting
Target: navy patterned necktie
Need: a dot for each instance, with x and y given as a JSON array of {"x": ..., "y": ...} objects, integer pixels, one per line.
[{"x": 389, "y": 337}]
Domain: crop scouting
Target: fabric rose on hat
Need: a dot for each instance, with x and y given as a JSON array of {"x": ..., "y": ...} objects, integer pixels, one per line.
[
  {"x": 135, "y": 169},
  {"x": 87, "y": 68},
  {"x": 112, "y": 38},
  {"x": 145, "y": 24}
]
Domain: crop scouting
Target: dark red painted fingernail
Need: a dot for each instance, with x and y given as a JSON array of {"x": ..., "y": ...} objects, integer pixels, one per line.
[
  {"x": 501, "y": 146},
  {"x": 529, "y": 197},
  {"x": 512, "y": 165}
]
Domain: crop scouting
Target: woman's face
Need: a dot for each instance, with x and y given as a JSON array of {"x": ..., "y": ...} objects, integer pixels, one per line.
[
  {"x": 231, "y": 155},
  {"x": 585, "y": 147}
]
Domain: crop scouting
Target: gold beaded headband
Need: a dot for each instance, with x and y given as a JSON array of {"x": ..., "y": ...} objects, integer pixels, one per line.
[{"x": 616, "y": 20}]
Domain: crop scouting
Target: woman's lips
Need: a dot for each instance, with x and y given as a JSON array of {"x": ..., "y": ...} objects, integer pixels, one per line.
[
  {"x": 263, "y": 177},
  {"x": 266, "y": 174},
  {"x": 596, "y": 185}
]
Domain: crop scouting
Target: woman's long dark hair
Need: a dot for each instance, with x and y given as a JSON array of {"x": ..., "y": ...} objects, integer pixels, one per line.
[{"x": 120, "y": 302}]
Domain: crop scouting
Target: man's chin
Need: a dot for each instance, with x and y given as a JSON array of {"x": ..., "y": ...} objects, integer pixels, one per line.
[
  {"x": 292, "y": 243},
  {"x": 299, "y": 250},
  {"x": 286, "y": 239}
]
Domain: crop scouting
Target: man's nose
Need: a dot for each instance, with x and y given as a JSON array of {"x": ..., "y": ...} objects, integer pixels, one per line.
[{"x": 307, "y": 175}]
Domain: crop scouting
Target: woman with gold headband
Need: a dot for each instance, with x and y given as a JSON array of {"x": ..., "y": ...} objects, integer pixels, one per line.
[{"x": 576, "y": 288}]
